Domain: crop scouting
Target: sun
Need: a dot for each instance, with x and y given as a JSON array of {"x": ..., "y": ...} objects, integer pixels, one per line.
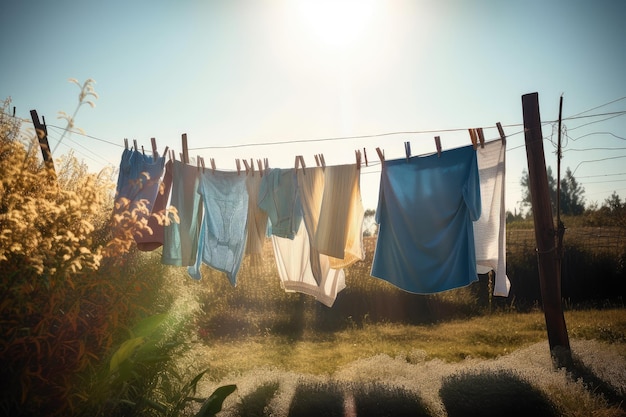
[{"x": 335, "y": 23}]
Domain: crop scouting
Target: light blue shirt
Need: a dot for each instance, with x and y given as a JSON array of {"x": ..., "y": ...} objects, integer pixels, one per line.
[
  {"x": 224, "y": 226},
  {"x": 425, "y": 211},
  {"x": 278, "y": 197}
]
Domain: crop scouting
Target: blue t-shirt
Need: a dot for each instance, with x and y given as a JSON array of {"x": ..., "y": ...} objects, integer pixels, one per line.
[
  {"x": 425, "y": 211},
  {"x": 224, "y": 226},
  {"x": 279, "y": 198}
]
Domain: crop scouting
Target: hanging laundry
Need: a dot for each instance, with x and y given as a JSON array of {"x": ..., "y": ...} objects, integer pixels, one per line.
[
  {"x": 278, "y": 197},
  {"x": 294, "y": 269},
  {"x": 180, "y": 243},
  {"x": 425, "y": 211},
  {"x": 257, "y": 218},
  {"x": 311, "y": 192},
  {"x": 339, "y": 233},
  {"x": 490, "y": 229},
  {"x": 137, "y": 187},
  {"x": 150, "y": 242},
  {"x": 224, "y": 226},
  {"x": 123, "y": 176}
]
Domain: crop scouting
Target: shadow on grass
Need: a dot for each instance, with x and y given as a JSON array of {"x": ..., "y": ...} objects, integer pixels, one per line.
[
  {"x": 256, "y": 403},
  {"x": 578, "y": 370},
  {"x": 491, "y": 393},
  {"x": 317, "y": 400},
  {"x": 386, "y": 401}
]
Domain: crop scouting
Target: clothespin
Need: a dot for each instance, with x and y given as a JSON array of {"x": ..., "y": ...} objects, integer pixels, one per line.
[
  {"x": 358, "y": 158},
  {"x": 501, "y": 131},
  {"x": 212, "y": 164},
  {"x": 322, "y": 160},
  {"x": 182, "y": 157},
  {"x": 155, "y": 154},
  {"x": 381, "y": 155},
  {"x": 245, "y": 163},
  {"x": 260, "y": 165},
  {"x": 238, "y": 163},
  {"x": 185, "y": 155},
  {"x": 407, "y": 150},
  {"x": 266, "y": 163},
  {"x": 142, "y": 150},
  {"x": 198, "y": 163},
  {"x": 473, "y": 137},
  {"x": 317, "y": 160},
  {"x": 481, "y": 137},
  {"x": 172, "y": 155},
  {"x": 202, "y": 162},
  {"x": 135, "y": 144},
  {"x": 125, "y": 143},
  {"x": 438, "y": 145},
  {"x": 365, "y": 156}
]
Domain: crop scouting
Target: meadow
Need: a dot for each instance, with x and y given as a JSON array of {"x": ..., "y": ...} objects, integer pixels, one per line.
[
  {"x": 89, "y": 326},
  {"x": 407, "y": 351}
]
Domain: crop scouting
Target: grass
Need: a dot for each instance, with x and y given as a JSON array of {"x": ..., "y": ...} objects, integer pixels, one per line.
[{"x": 484, "y": 337}]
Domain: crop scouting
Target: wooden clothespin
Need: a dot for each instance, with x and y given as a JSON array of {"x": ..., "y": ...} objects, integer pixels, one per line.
[
  {"x": 438, "y": 145},
  {"x": 365, "y": 156},
  {"x": 246, "y": 165},
  {"x": 185, "y": 154},
  {"x": 317, "y": 160},
  {"x": 473, "y": 137},
  {"x": 266, "y": 163},
  {"x": 260, "y": 165},
  {"x": 481, "y": 137},
  {"x": 357, "y": 153},
  {"x": 381, "y": 155},
  {"x": 322, "y": 160},
  {"x": 212, "y": 164},
  {"x": 501, "y": 131},
  {"x": 172, "y": 155},
  {"x": 125, "y": 143},
  {"x": 142, "y": 150},
  {"x": 238, "y": 164},
  {"x": 407, "y": 150},
  {"x": 155, "y": 154},
  {"x": 198, "y": 159},
  {"x": 135, "y": 145},
  {"x": 202, "y": 162}
]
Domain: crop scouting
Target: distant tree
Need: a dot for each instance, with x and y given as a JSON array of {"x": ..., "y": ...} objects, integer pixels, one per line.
[
  {"x": 369, "y": 223},
  {"x": 613, "y": 203},
  {"x": 572, "y": 200}
]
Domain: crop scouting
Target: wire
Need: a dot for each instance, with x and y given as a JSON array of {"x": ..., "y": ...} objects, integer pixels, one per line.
[
  {"x": 597, "y": 107},
  {"x": 88, "y": 136},
  {"x": 597, "y": 160}
]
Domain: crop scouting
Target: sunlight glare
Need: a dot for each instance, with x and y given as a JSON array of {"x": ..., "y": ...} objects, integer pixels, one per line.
[{"x": 336, "y": 23}]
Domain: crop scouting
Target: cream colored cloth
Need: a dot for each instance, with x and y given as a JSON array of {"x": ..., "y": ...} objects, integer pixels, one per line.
[
  {"x": 294, "y": 269},
  {"x": 257, "y": 218},
  {"x": 490, "y": 229},
  {"x": 339, "y": 233}
]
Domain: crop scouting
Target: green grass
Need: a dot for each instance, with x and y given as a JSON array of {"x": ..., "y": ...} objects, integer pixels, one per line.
[{"x": 485, "y": 337}]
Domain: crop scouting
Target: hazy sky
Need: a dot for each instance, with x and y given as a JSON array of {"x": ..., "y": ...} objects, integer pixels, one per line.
[{"x": 252, "y": 72}]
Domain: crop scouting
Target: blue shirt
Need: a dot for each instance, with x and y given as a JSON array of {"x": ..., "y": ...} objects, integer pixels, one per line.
[
  {"x": 224, "y": 227},
  {"x": 279, "y": 198},
  {"x": 425, "y": 211}
]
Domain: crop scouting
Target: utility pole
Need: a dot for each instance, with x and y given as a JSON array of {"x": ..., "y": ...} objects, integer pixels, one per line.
[
  {"x": 42, "y": 134},
  {"x": 545, "y": 234}
]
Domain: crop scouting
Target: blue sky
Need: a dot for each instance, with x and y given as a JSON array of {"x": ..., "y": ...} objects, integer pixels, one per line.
[{"x": 231, "y": 73}]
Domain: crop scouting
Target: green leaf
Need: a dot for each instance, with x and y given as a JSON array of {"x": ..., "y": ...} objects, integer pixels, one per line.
[
  {"x": 213, "y": 404},
  {"x": 148, "y": 325},
  {"x": 125, "y": 352}
]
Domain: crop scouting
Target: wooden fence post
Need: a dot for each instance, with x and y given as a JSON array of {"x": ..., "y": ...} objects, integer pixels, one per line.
[
  {"x": 545, "y": 234},
  {"x": 42, "y": 134}
]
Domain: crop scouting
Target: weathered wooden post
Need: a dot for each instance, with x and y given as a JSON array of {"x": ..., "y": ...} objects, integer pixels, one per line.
[{"x": 545, "y": 234}]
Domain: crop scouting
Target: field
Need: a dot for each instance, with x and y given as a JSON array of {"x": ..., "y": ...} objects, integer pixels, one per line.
[{"x": 411, "y": 355}]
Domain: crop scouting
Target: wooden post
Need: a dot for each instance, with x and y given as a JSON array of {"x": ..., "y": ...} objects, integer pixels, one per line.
[
  {"x": 42, "y": 135},
  {"x": 547, "y": 257}
]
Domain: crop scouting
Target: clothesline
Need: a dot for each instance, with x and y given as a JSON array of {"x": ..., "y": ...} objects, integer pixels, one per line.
[{"x": 315, "y": 217}]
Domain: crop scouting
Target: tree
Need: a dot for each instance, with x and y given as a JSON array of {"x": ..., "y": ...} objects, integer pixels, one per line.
[{"x": 572, "y": 200}]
